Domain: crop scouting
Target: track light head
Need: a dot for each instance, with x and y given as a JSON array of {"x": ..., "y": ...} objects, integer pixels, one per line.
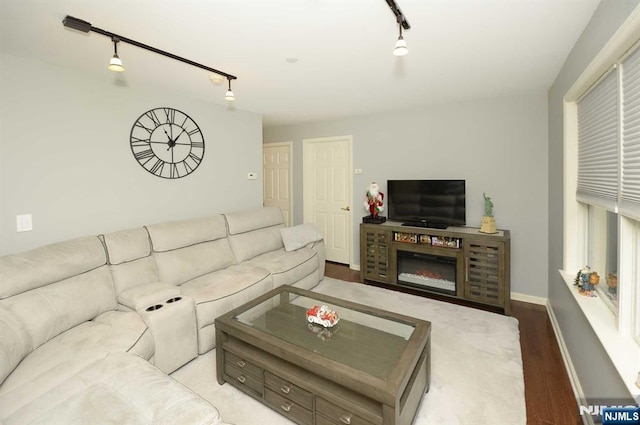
[
  {"x": 115, "y": 64},
  {"x": 401, "y": 45},
  {"x": 229, "y": 96}
]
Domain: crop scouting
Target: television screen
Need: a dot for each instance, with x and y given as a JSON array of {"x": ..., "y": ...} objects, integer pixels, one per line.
[{"x": 427, "y": 203}]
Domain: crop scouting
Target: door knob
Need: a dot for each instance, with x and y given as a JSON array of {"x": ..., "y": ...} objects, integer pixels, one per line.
[{"x": 346, "y": 209}]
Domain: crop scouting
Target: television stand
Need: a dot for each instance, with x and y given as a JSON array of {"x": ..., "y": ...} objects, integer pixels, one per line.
[
  {"x": 426, "y": 224},
  {"x": 460, "y": 264}
]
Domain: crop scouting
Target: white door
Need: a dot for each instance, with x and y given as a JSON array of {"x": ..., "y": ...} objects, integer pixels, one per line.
[
  {"x": 277, "y": 178},
  {"x": 327, "y": 193}
]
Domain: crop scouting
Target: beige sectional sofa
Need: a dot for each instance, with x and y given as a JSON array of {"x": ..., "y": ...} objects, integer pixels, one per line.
[{"x": 90, "y": 328}]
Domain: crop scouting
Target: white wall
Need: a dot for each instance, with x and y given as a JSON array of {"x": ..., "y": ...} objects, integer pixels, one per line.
[
  {"x": 65, "y": 156},
  {"x": 499, "y": 146}
]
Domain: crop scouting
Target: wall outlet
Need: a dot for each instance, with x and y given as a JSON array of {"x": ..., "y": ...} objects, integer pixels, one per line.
[
  {"x": 252, "y": 176},
  {"x": 24, "y": 223}
]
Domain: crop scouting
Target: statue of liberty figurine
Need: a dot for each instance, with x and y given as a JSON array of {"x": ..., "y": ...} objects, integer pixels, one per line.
[
  {"x": 488, "y": 206},
  {"x": 488, "y": 222}
]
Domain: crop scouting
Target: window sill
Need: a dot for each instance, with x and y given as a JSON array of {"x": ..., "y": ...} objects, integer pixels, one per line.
[{"x": 623, "y": 350}]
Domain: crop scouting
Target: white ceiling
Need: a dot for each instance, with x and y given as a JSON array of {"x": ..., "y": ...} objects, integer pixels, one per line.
[{"x": 458, "y": 49}]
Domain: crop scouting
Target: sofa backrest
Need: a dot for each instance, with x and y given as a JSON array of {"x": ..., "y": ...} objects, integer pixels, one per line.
[
  {"x": 254, "y": 232},
  {"x": 129, "y": 257},
  {"x": 53, "y": 288},
  {"x": 184, "y": 250}
]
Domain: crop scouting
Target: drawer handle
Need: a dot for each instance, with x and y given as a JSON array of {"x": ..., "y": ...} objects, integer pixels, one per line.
[
  {"x": 241, "y": 379},
  {"x": 345, "y": 419},
  {"x": 241, "y": 363},
  {"x": 285, "y": 389},
  {"x": 286, "y": 407}
]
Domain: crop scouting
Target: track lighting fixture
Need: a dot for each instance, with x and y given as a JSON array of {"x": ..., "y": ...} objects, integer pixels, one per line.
[
  {"x": 401, "y": 45},
  {"x": 116, "y": 64},
  {"x": 229, "y": 96}
]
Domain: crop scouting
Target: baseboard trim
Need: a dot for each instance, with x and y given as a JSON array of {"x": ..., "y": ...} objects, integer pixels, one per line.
[
  {"x": 568, "y": 364},
  {"x": 528, "y": 298},
  {"x": 354, "y": 267}
]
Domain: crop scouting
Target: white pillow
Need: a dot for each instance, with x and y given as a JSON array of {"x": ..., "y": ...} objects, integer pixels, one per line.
[{"x": 298, "y": 236}]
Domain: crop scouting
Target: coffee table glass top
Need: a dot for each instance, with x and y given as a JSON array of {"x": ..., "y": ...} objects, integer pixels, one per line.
[{"x": 360, "y": 340}]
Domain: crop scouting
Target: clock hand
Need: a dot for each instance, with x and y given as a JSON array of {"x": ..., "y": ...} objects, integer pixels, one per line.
[
  {"x": 165, "y": 132},
  {"x": 183, "y": 130}
]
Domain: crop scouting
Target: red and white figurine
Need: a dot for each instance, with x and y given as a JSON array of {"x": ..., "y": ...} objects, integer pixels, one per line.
[
  {"x": 322, "y": 315},
  {"x": 373, "y": 203}
]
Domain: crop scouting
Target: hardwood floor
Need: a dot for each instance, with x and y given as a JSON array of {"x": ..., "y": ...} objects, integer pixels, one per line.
[{"x": 548, "y": 394}]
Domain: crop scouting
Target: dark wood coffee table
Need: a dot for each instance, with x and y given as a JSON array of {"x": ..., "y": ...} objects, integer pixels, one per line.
[{"x": 373, "y": 367}]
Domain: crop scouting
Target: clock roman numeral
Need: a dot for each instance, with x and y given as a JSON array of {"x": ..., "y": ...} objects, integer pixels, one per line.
[
  {"x": 147, "y": 153},
  {"x": 197, "y": 145},
  {"x": 137, "y": 142},
  {"x": 194, "y": 131},
  {"x": 153, "y": 117},
  {"x": 157, "y": 167},
  {"x": 170, "y": 114},
  {"x": 140, "y": 125},
  {"x": 173, "y": 171},
  {"x": 195, "y": 158}
]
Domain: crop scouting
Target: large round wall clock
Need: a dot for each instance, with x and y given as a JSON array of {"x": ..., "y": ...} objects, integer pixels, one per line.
[{"x": 167, "y": 143}]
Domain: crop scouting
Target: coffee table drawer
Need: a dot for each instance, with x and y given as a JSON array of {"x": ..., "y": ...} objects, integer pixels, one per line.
[
  {"x": 288, "y": 390},
  {"x": 243, "y": 364},
  {"x": 243, "y": 378},
  {"x": 336, "y": 414},
  {"x": 288, "y": 407}
]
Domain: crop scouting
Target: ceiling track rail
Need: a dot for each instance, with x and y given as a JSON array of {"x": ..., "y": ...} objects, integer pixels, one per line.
[
  {"x": 398, "y": 13},
  {"x": 84, "y": 26}
]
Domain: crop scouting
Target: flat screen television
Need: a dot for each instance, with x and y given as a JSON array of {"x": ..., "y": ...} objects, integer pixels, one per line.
[{"x": 427, "y": 203}]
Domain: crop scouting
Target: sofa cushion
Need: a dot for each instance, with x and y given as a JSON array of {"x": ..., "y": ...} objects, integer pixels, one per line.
[
  {"x": 117, "y": 389},
  {"x": 246, "y": 221},
  {"x": 181, "y": 265},
  {"x": 48, "y": 311},
  {"x": 133, "y": 273},
  {"x": 130, "y": 261},
  {"x": 127, "y": 245},
  {"x": 287, "y": 267},
  {"x": 15, "y": 343},
  {"x": 178, "y": 234},
  {"x": 219, "y": 292},
  {"x": 48, "y": 264},
  {"x": 65, "y": 354},
  {"x": 254, "y": 232}
]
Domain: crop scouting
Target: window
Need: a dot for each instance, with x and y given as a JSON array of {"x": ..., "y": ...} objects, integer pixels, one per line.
[
  {"x": 601, "y": 186},
  {"x": 602, "y": 253},
  {"x": 608, "y": 186}
]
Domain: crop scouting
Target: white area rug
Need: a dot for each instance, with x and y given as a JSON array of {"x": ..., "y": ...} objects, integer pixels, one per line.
[{"x": 476, "y": 364}]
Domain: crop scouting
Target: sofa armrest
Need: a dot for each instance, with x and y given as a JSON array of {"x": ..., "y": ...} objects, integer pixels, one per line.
[
  {"x": 319, "y": 248},
  {"x": 15, "y": 343},
  {"x": 147, "y": 294}
]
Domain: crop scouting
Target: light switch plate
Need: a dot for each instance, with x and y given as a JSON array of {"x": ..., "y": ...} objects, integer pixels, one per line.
[
  {"x": 358, "y": 171},
  {"x": 24, "y": 223},
  {"x": 252, "y": 176}
]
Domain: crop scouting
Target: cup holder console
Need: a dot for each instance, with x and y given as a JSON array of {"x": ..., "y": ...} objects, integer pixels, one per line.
[
  {"x": 154, "y": 307},
  {"x": 173, "y": 300}
]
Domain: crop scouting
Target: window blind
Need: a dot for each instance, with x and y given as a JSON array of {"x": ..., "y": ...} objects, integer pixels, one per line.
[
  {"x": 630, "y": 173},
  {"x": 598, "y": 144}
]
